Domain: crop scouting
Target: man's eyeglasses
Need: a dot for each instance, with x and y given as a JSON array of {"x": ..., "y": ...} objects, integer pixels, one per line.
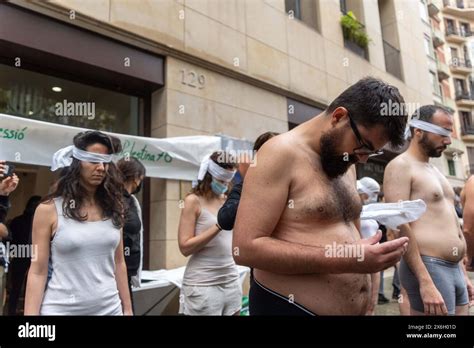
[{"x": 363, "y": 149}]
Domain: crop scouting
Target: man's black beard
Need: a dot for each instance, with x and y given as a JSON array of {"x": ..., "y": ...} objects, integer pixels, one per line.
[
  {"x": 334, "y": 164},
  {"x": 428, "y": 148}
]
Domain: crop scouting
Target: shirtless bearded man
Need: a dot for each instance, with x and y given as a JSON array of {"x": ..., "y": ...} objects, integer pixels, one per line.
[
  {"x": 300, "y": 200},
  {"x": 431, "y": 271}
]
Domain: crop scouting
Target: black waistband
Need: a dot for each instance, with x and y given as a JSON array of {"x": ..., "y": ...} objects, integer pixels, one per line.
[{"x": 264, "y": 301}]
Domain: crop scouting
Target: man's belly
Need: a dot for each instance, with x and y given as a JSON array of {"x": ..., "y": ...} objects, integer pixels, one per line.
[
  {"x": 323, "y": 294},
  {"x": 439, "y": 237}
]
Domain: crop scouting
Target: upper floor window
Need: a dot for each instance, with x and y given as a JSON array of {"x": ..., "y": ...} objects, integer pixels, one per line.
[
  {"x": 423, "y": 11},
  {"x": 428, "y": 47},
  {"x": 304, "y": 10},
  {"x": 293, "y": 7}
]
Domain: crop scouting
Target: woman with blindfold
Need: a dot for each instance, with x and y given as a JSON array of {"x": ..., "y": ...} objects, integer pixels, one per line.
[{"x": 79, "y": 226}]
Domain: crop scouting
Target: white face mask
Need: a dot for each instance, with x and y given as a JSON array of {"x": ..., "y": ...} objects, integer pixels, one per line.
[{"x": 372, "y": 198}]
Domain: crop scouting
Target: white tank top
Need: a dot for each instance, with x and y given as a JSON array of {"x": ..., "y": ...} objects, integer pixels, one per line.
[
  {"x": 213, "y": 264},
  {"x": 83, "y": 258}
]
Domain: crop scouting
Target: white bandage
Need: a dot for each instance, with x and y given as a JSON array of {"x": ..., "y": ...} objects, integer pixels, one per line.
[
  {"x": 63, "y": 157},
  {"x": 426, "y": 126},
  {"x": 208, "y": 165}
]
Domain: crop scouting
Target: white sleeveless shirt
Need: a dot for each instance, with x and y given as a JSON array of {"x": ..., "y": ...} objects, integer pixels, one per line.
[
  {"x": 83, "y": 258},
  {"x": 213, "y": 264}
]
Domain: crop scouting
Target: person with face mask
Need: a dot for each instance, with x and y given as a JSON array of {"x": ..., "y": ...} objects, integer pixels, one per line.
[
  {"x": 211, "y": 284},
  {"x": 369, "y": 190},
  {"x": 133, "y": 173}
]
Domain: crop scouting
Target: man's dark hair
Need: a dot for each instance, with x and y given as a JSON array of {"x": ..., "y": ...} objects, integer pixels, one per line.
[
  {"x": 365, "y": 101},
  {"x": 262, "y": 139},
  {"x": 425, "y": 113}
]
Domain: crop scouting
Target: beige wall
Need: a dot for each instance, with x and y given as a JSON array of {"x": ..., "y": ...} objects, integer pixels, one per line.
[{"x": 258, "y": 39}]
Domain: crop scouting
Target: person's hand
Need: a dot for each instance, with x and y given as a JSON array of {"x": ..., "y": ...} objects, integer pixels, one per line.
[
  {"x": 128, "y": 312},
  {"x": 470, "y": 291},
  {"x": 135, "y": 281},
  {"x": 2, "y": 169},
  {"x": 9, "y": 185},
  {"x": 432, "y": 299},
  {"x": 377, "y": 257}
]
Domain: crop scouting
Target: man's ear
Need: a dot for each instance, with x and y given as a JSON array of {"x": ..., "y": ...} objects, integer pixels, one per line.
[
  {"x": 418, "y": 132},
  {"x": 339, "y": 114}
]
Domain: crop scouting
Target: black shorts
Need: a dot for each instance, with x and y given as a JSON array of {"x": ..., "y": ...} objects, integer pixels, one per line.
[{"x": 264, "y": 301}]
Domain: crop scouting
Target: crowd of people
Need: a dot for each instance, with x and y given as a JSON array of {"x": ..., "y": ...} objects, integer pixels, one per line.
[{"x": 280, "y": 218}]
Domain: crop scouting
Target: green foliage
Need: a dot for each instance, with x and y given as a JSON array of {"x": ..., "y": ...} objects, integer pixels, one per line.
[{"x": 353, "y": 30}]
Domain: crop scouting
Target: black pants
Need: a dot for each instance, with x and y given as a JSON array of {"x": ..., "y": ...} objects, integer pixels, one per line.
[
  {"x": 18, "y": 270},
  {"x": 264, "y": 301},
  {"x": 129, "y": 278}
]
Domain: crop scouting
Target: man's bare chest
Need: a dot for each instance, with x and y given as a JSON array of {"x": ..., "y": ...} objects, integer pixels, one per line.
[{"x": 314, "y": 197}]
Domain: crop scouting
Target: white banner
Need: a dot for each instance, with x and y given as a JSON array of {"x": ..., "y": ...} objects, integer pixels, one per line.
[{"x": 34, "y": 142}]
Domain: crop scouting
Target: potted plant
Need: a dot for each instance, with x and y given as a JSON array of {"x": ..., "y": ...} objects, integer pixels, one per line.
[{"x": 353, "y": 31}]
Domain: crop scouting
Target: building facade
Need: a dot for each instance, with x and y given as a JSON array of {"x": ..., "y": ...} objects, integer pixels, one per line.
[{"x": 447, "y": 47}]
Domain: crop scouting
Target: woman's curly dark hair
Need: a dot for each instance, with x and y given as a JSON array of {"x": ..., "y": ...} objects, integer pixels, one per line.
[{"x": 109, "y": 194}]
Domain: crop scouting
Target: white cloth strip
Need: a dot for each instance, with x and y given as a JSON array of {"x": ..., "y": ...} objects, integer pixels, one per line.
[
  {"x": 63, "y": 157},
  {"x": 426, "y": 126},
  {"x": 208, "y": 165},
  {"x": 393, "y": 215}
]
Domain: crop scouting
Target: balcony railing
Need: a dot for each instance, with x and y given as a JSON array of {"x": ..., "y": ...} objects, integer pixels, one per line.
[
  {"x": 461, "y": 63},
  {"x": 451, "y": 31},
  {"x": 443, "y": 70},
  {"x": 433, "y": 10},
  {"x": 457, "y": 32},
  {"x": 461, "y": 4},
  {"x": 464, "y": 95},
  {"x": 392, "y": 60}
]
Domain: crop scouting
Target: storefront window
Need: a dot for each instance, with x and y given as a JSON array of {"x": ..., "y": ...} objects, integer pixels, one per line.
[{"x": 46, "y": 98}]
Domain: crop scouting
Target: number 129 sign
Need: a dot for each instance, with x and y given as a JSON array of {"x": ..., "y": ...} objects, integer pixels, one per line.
[{"x": 192, "y": 79}]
